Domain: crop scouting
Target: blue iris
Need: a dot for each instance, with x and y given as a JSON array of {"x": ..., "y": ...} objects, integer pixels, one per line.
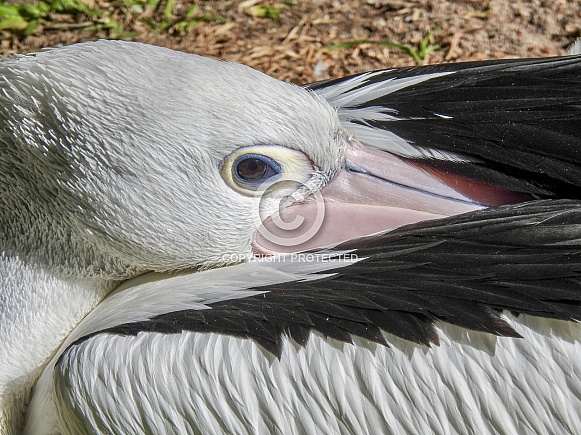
[{"x": 254, "y": 169}]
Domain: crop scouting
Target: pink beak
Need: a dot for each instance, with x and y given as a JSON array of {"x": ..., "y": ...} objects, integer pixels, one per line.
[{"x": 374, "y": 192}]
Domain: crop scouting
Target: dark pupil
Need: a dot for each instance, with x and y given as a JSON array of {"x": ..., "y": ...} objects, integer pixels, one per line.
[{"x": 251, "y": 169}]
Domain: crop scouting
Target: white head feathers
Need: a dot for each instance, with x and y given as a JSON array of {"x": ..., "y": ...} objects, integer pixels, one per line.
[{"x": 112, "y": 149}]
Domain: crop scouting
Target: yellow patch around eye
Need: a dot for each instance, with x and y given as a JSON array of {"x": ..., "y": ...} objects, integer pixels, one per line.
[{"x": 293, "y": 164}]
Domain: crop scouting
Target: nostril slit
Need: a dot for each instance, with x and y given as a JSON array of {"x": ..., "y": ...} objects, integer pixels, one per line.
[{"x": 352, "y": 168}]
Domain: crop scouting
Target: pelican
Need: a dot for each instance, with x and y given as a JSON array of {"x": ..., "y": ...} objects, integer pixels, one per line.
[{"x": 191, "y": 246}]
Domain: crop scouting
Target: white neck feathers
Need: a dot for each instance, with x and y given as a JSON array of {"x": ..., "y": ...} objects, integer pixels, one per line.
[{"x": 38, "y": 312}]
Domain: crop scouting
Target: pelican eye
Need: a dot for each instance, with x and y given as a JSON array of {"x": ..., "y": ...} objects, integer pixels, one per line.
[{"x": 254, "y": 168}]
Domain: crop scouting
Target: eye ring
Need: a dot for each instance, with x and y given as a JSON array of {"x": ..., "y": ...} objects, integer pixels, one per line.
[{"x": 254, "y": 169}]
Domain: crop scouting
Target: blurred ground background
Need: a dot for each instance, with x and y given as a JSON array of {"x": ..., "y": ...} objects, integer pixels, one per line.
[{"x": 304, "y": 41}]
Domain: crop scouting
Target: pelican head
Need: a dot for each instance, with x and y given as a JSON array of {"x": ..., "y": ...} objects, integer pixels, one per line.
[
  {"x": 124, "y": 158},
  {"x": 121, "y": 158}
]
